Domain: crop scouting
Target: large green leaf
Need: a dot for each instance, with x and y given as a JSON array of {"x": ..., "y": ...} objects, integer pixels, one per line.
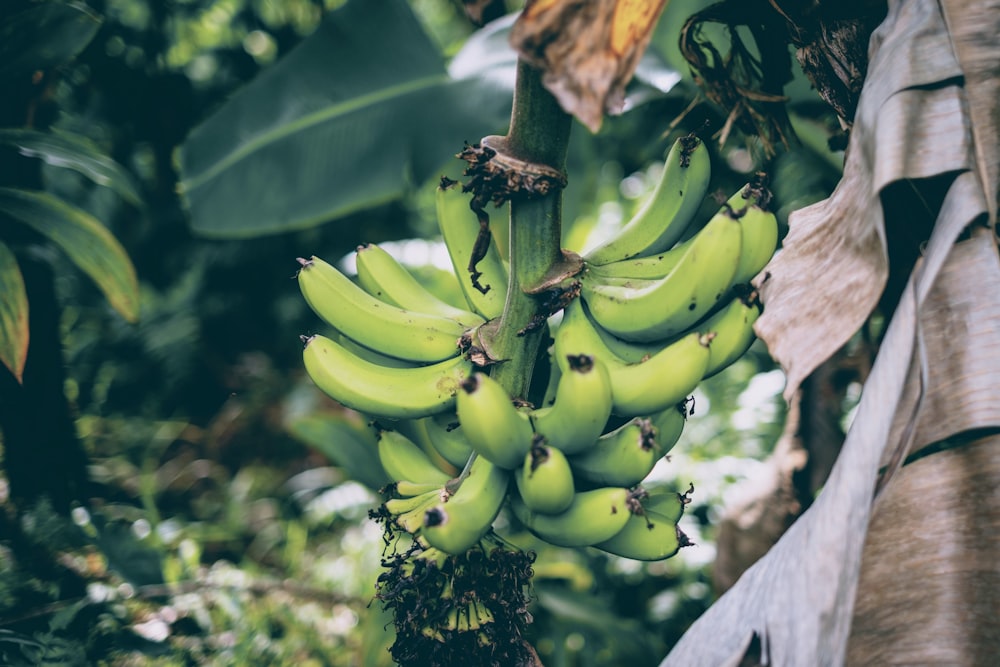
[
  {"x": 84, "y": 239},
  {"x": 76, "y": 153},
  {"x": 45, "y": 35},
  {"x": 13, "y": 314},
  {"x": 355, "y": 114}
]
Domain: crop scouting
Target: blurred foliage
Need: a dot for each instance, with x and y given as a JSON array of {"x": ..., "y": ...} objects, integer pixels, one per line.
[{"x": 223, "y": 527}]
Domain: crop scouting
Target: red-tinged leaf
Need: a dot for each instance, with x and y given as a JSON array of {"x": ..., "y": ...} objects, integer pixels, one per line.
[
  {"x": 13, "y": 314},
  {"x": 85, "y": 241}
]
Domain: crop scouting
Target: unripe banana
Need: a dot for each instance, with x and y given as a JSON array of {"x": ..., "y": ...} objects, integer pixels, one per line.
[
  {"x": 622, "y": 457},
  {"x": 581, "y": 408},
  {"x": 407, "y": 489},
  {"x": 408, "y": 513},
  {"x": 459, "y": 227},
  {"x": 447, "y": 436},
  {"x": 653, "y": 267},
  {"x": 733, "y": 329},
  {"x": 385, "y": 278},
  {"x": 415, "y": 431},
  {"x": 760, "y": 238},
  {"x": 671, "y": 207},
  {"x": 552, "y": 387},
  {"x": 669, "y": 424},
  {"x": 639, "y": 389},
  {"x": 369, "y": 355},
  {"x": 456, "y": 524},
  {"x": 403, "y": 460},
  {"x": 647, "y": 536},
  {"x": 593, "y": 516},
  {"x": 395, "y": 393},
  {"x": 670, "y": 305},
  {"x": 496, "y": 429},
  {"x": 545, "y": 481},
  {"x": 667, "y": 503},
  {"x": 375, "y": 324}
]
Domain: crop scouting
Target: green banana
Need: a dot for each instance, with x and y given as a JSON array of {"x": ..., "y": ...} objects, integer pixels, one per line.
[
  {"x": 593, "y": 516},
  {"x": 375, "y": 324},
  {"x": 665, "y": 307},
  {"x": 414, "y": 430},
  {"x": 385, "y": 278},
  {"x": 457, "y": 523},
  {"x": 646, "y": 536},
  {"x": 448, "y": 438},
  {"x": 403, "y": 460},
  {"x": 496, "y": 429},
  {"x": 754, "y": 241},
  {"x": 545, "y": 481},
  {"x": 666, "y": 503},
  {"x": 733, "y": 329},
  {"x": 552, "y": 387},
  {"x": 670, "y": 209},
  {"x": 581, "y": 408},
  {"x": 637, "y": 389},
  {"x": 652, "y": 267},
  {"x": 371, "y": 356},
  {"x": 393, "y": 393},
  {"x": 459, "y": 227},
  {"x": 669, "y": 424},
  {"x": 407, "y": 489},
  {"x": 622, "y": 457},
  {"x": 759, "y": 240},
  {"x": 408, "y": 513}
]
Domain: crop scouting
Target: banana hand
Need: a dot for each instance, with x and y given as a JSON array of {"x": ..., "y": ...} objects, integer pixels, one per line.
[
  {"x": 394, "y": 393},
  {"x": 638, "y": 389},
  {"x": 375, "y": 324},
  {"x": 659, "y": 309},
  {"x": 385, "y": 278},
  {"x": 670, "y": 209}
]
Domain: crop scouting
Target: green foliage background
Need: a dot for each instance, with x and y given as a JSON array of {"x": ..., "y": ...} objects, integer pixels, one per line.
[{"x": 226, "y": 520}]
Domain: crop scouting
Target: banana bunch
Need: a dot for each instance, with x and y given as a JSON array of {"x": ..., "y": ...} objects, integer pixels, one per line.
[{"x": 660, "y": 309}]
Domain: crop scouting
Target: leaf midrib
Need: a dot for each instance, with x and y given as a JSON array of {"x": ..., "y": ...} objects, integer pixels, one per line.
[{"x": 315, "y": 118}]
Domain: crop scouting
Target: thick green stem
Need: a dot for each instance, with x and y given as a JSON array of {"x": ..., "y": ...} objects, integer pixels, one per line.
[{"x": 539, "y": 134}]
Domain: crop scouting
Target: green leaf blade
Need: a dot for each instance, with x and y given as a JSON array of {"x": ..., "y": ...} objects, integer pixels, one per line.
[
  {"x": 13, "y": 314},
  {"x": 76, "y": 153},
  {"x": 47, "y": 34},
  {"x": 85, "y": 241},
  {"x": 350, "y": 119}
]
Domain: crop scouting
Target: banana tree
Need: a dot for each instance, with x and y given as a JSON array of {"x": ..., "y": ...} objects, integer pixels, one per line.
[{"x": 809, "y": 600}]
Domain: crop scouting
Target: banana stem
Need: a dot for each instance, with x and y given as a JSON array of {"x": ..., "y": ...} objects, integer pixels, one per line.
[{"x": 539, "y": 134}]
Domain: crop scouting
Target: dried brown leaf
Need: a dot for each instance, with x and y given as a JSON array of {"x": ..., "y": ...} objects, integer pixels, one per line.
[
  {"x": 588, "y": 50},
  {"x": 833, "y": 266}
]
